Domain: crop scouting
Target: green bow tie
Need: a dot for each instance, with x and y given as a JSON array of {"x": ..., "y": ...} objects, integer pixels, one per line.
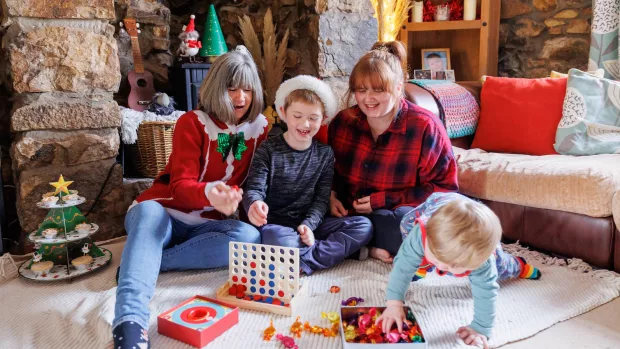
[{"x": 228, "y": 141}]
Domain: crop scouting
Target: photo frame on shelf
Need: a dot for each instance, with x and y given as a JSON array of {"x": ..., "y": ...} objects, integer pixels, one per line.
[
  {"x": 422, "y": 74},
  {"x": 436, "y": 59}
]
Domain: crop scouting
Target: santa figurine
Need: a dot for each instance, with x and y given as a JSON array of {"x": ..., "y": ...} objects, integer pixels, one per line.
[{"x": 190, "y": 45}]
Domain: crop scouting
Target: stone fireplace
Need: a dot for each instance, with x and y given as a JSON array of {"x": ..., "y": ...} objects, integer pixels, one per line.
[
  {"x": 65, "y": 73},
  {"x": 62, "y": 69}
]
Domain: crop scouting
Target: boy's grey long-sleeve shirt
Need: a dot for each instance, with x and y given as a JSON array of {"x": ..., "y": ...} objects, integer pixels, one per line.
[{"x": 295, "y": 184}]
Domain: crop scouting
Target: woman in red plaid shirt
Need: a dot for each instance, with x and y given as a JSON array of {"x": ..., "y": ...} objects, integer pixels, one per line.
[{"x": 390, "y": 154}]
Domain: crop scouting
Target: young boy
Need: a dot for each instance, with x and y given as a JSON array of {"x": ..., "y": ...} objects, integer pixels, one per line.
[
  {"x": 289, "y": 184},
  {"x": 454, "y": 235}
]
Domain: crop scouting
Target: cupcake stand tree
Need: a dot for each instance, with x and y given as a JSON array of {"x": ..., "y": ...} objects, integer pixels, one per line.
[{"x": 63, "y": 245}]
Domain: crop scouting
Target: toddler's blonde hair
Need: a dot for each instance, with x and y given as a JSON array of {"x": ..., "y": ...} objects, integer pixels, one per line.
[{"x": 463, "y": 234}]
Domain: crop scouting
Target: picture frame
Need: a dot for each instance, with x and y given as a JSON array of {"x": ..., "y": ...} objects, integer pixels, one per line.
[
  {"x": 436, "y": 59},
  {"x": 422, "y": 74}
]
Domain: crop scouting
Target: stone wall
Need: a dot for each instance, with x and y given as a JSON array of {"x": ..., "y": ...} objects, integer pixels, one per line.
[
  {"x": 154, "y": 20},
  {"x": 538, "y": 36},
  {"x": 63, "y": 70},
  {"x": 326, "y": 37}
]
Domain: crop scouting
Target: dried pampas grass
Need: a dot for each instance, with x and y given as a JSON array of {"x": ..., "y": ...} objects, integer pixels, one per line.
[
  {"x": 390, "y": 14},
  {"x": 270, "y": 60}
]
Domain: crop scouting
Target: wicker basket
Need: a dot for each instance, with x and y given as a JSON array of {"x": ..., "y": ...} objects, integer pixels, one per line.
[{"x": 153, "y": 147}]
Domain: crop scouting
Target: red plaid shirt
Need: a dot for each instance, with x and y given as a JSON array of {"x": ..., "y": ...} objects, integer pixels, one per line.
[{"x": 407, "y": 163}]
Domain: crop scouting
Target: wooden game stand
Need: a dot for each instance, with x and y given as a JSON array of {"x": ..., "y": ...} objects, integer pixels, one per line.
[{"x": 222, "y": 295}]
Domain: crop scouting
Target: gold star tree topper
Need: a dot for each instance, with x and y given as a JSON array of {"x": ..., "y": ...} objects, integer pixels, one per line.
[{"x": 61, "y": 185}]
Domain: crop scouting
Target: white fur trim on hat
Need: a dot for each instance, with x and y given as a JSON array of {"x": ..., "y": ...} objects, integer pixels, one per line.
[{"x": 307, "y": 82}]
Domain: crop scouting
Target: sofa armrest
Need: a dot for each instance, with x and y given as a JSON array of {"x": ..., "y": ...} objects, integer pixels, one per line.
[{"x": 419, "y": 96}]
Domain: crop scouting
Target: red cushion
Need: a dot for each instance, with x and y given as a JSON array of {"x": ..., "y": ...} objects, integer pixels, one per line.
[
  {"x": 321, "y": 136},
  {"x": 519, "y": 115}
]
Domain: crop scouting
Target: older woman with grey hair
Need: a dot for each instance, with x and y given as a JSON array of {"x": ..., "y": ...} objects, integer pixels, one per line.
[{"x": 181, "y": 222}]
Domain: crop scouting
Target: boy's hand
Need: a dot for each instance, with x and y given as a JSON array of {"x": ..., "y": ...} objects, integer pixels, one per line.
[
  {"x": 335, "y": 206},
  {"x": 224, "y": 198},
  {"x": 471, "y": 337},
  {"x": 258, "y": 213},
  {"x": 394, "y": 313},
  {"x": 362, "y": 205},
  {"x": 306, "y": 234}
]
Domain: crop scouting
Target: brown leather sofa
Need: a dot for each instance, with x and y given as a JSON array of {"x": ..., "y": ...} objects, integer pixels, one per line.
[{"x": 596, "y": 240}]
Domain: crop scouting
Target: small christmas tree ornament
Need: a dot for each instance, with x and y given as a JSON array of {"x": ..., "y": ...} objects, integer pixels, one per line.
[
  {"x": 189, "y": 41},
  {"x": 63, "y": 245},
  {"x": 213, "y": 43}
]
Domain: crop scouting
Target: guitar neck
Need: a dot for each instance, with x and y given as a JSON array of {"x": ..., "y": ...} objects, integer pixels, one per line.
[{"x": 137, "y": 56}]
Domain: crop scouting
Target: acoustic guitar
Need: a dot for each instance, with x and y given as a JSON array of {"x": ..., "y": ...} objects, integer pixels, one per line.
[{"x": 140, "y": 80}]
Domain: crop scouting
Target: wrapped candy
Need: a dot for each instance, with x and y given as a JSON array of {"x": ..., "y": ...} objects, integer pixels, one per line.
[
  {"x": 288, "y": 342},
  {"x": 269, "y": 331},
  {"x": 332, "y": 316},
  {"x": 296, "y": 328},
  {"x": 334, "y": 289},
  {"x": 364, "y": 322},
  {"x": 350, "y": 333},
  {"x": 352, "y": 301}
]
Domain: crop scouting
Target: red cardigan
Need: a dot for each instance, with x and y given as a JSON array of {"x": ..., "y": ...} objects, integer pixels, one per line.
[{"x": 195, "y": 163}]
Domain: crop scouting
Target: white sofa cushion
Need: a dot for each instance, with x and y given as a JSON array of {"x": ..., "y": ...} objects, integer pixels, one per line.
[{"x": 578, "y": 184}]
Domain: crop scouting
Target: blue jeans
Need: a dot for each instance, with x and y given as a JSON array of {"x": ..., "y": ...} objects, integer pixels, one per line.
[
  {"x": 335, "y": 240},
  {"x": 157, "y": 242},
  {"x": 387, "y": 228}
]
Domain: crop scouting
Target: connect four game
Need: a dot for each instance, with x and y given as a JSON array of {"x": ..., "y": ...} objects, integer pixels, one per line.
[{"x": 261, "y": 277}]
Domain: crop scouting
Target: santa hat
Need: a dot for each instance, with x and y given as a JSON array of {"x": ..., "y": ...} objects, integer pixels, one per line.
[
  {"x": 307, "y": 82},
  {"x": 190, "y": 25}
]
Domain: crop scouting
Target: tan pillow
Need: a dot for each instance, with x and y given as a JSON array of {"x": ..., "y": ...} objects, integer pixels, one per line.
[{"x": 599, "y": 73}]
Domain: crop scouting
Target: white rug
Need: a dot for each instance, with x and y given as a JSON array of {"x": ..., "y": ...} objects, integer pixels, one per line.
[{"x": 78, "y": 314}]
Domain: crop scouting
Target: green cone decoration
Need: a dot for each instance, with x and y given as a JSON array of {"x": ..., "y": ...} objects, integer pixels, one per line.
[{"x": 213, "y": 43}]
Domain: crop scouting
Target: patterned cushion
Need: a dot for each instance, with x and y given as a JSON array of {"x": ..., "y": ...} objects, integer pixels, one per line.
[
  {"x": 590, "y": 121},
  {"x": 458, "y": 109}
]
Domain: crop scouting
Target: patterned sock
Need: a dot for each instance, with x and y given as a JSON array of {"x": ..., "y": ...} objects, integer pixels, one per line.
[
  {"x": 528, "y": 271},
  {"x": 419, "y": 275},
  {"x": 129, "y": 335}
]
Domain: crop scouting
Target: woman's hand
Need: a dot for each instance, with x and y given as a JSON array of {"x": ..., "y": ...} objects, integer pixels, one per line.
[
  {"x": 258, "y": 213},
  {"x": 394, "y": 313},
  {"x": 335, "y": 206},
  {"x": 224, "y": 198},
  {"x": 471, "y": 337},
  {"x": 362, "y": 205}
]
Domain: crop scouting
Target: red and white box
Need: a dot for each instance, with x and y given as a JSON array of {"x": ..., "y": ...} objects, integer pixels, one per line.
[{"x": 198, "y": 320}]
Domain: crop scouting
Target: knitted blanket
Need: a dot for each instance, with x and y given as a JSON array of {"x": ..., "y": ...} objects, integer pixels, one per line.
[
  {"x": 458, "y": 109},
  {"x": 131, "y": 120},
  {"x": 79, "y": 314}
]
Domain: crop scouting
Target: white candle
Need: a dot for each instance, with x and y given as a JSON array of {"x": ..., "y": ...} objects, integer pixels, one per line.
[
  {"x": 469, "y": 10},
  {"x": 417, "y": 11}
]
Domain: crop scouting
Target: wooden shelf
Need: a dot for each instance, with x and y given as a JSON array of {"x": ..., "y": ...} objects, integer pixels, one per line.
[
  {"x": 473, "y": 44},
  {"x": 444, "y": 25}
]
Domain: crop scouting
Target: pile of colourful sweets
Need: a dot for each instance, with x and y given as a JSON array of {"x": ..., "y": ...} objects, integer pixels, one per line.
[
  {"x": 359, "y": 327},
  {"x": 239, "y": 292}
]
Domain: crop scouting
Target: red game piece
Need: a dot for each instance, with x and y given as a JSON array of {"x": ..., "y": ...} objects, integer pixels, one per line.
[
  {"x": 262, "y": 282},
  {"x": 281, "y": 293},
  {"x": 232, "y": 290},
  {"x": 235, "y": 278},
  {"x": 244, "y": 280},
  {"x": 257, "y": 298},
  {"x": 243, "y": 288},
  {"x": 240, "y": 294},
  {"x": 234, "y": 187}
]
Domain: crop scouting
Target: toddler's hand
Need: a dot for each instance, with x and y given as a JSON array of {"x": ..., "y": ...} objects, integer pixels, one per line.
[
  {"x": 394, "y": 313},
  {"x": 471, "y": 337},
  {"x": 306, "y": 234},
  {"x": 258, "y": 213}
]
